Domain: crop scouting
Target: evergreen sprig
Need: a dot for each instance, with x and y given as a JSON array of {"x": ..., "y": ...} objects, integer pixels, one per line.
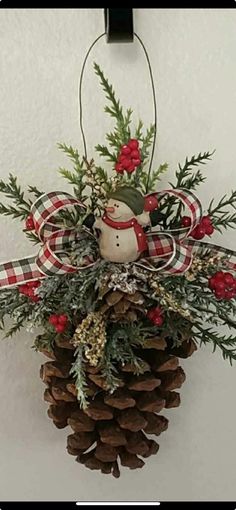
[
  {"x": 154, "y": 178},
  {"x": 147, "y": 141},
  {"x": 35, "y": 191},
  {"x": 12, "y": 191},
  {"x": 105, "y": 153},
  {"x": 187, "y": 179},
  {"x": 221, "y": 217},
  {"x": 122, "y": 133},
  {"x": 45, "y": 341},
  {"x": 227, "y": 344},
  {"x": 78, "y": 372},
  {"x": 115, "y": 110},
  {"x": 76, "y": 178},
  {"x": 184, "y": 176}
]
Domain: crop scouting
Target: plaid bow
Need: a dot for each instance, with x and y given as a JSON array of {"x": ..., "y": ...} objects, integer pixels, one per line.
[
  {"x": 48, "y": 261},
  {"x": 168, "y": 251}
]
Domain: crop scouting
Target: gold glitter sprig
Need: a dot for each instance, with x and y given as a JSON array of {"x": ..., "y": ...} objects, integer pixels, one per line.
[
  {"x": 201, "y": 265},
  {"x": 169, "y": 301},
  {"x": 91, "y": 333}
]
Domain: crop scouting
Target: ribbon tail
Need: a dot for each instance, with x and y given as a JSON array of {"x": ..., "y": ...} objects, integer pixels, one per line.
[
  {"x": 18, "y": 272},
  {"x": 198, "y": 246}
]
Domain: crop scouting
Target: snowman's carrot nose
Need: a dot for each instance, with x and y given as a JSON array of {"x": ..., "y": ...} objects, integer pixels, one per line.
[{"x": 110, "y": 209}]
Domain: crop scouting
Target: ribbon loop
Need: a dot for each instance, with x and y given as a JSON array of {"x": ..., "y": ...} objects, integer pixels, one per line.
[
  {"x": 171, "y": 244},
  {"x": 55, "y": 240},
  {"x": 46, "y": 207}
]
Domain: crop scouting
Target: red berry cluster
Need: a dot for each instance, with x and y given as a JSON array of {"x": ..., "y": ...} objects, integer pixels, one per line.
[
  {"x": 29, "y": 223},
  {"x": 59, "y": 322},
  {"x": 203, "y": 228},
  {"x": 28, "y": 289},
  {"x": 223, "y": 285},
  {"x": 129, "y": 157},
  {"x": 155, "y": 315}
]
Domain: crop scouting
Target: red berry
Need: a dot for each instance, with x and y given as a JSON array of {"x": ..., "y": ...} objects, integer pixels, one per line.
[
  {"x": 121, "y": 158},
  {"x": 135, "y": 154},
  {"x": 62, "y": 319},
  {"x": 119, "y": 168},
  {"x": 209, "y": 229},
  {"x": 23, "y": 289},
  {"x": 206, "y": 221},
  {"x": 212, "y": 283},
  {"x": 133, "y": 144},
  {"x": 34, "y": 284},
  {"x": 186, "y": 221},
  {"x": 29, "y": 223},
  {"x": 158, "y": 320},
  {"x": 31, "y": 285},
  {"x": 151, "y": 313},
  {"x": 229, "y": 279},
  {"x": 220, "y": 294},
  {"x": 155, "y": 315},
  {"x": 130, "y": 168},
  {"x": 227, "y": 294},
  {"x": 125, "y": 149},
  {"x": 53, "y": 319},
  {"x": 30, "y": 292},
  {"x": 198, "y": 232},
  {"x": 219, "y": 275},
  {"x": 136, "y": 162},
  {"x": 219, "y": 285},
  {"x": 126, "y": 163},
  {"x": 35, "y": 298},
  {"x": 60, "y": 328}
]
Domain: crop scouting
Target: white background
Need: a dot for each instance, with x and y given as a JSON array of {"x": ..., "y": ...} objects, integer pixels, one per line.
[{"x": 193, "y": 54}]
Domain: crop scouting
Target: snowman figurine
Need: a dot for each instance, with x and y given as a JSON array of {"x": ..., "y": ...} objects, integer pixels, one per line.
[{"x": 122, "y": 238}]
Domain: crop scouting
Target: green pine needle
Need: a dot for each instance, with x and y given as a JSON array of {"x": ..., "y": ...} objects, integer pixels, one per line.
[
  {"x": 13, "y": 192},
  {"x": 78, "y": 372},
  {"x": 184, "y": 176},
  {"x": 115, "y": 110},
  {"x": 221, "y": 218},
  {"x": 227, "y": 344}
]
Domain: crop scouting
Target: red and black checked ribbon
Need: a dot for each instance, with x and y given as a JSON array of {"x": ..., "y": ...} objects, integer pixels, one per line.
[
  {"x": 171, "y": 246},
  {"x": 54, "y": 241},
  {"x": 170, "y": 252}
]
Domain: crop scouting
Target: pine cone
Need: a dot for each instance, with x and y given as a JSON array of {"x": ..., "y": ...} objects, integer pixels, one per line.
[
  {"x": 119, "y": 304},
  {"x": 115, "y": 427}
]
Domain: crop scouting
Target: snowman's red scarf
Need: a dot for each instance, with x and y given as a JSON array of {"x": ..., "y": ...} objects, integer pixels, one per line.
[{"x": 133, "y": 223}]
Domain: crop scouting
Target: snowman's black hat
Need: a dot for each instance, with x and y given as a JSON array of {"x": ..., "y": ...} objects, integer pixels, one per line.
[{"x": 130, "y": 196}]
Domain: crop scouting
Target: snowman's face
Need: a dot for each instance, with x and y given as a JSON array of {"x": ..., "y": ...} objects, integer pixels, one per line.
[{"x": 118, "y": 211}]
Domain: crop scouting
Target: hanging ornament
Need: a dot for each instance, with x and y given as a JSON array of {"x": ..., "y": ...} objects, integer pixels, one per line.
[{"x": 118, "y": 293}]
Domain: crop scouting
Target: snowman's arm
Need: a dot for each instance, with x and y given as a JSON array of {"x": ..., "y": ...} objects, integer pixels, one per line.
[
  {"x": 144, "y": 219},
  {"x": 98, "y": 223}
]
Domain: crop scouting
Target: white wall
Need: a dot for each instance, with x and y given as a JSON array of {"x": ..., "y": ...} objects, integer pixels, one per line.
[{"x": 193, "y": 53}]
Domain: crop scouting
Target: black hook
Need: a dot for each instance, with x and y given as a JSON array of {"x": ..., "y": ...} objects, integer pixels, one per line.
[{"x": 119, "y": 25}]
